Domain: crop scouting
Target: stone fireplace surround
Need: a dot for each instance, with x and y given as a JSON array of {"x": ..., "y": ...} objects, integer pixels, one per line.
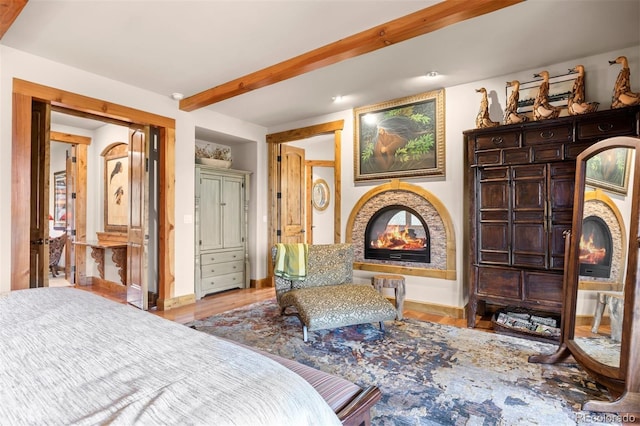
[
  {"x": 597, "y": 203},
  {"x": 433, "y": 212}
]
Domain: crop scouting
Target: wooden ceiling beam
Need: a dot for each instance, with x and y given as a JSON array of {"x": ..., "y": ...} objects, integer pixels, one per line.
[
  {"x": 416, "y": 24},
  {"x": 9, "y": 11}
]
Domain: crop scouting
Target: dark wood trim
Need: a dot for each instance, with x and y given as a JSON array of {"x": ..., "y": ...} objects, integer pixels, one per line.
[{"x": 422, "y": 22}]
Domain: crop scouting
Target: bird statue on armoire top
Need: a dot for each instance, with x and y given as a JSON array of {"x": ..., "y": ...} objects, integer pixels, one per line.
[
  {"x": 482, "y": 119},
  {"x": 622, "y": 94},
  {"x": 511, "y": 115},
  {"x": 542, "y": 109},
  {"x": 576, "y": 103}
]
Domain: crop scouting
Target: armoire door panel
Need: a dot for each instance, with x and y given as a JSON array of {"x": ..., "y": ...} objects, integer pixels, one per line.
[
  {"x": 232, "y": 210},
  {"x": 210, "y": 200}
]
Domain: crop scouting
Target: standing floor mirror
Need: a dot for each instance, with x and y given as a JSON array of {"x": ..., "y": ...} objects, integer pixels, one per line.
[{"x": 602, "y": 245}]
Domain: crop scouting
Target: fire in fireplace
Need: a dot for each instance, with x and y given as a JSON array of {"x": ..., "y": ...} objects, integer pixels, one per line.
[
  {"x": 596, "y": 247},
  {"x": 397, "y": 233}
]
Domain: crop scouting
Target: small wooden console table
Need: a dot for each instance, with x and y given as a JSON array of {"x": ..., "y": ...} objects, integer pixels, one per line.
[{"x": 119, "y": 256}]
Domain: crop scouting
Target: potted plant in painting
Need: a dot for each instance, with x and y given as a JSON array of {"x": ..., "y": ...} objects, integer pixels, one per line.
[{"x": 218, "y": 156}]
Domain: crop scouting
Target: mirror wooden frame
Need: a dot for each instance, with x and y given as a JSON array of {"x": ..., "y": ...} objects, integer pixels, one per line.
[{"x": 623, "y": 382}]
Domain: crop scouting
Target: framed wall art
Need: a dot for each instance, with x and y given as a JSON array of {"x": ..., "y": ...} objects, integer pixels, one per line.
[
  {"x": 400, "y": 138},
  {"x": 560, "y": 88},
  {"x": 60, "y": 200},
  {"x": 610, "y": 170},
  {"x": 116, "y": 191}
]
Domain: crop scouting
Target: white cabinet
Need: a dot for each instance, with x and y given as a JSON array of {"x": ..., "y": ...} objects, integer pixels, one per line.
[{"x": 221, "y": 207}]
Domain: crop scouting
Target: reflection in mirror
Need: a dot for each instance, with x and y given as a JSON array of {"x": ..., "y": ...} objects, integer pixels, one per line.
[{"x": 603, "y": 255}]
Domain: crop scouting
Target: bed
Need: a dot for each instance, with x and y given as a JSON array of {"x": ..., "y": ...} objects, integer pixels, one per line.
[{"x": 68, "y": 356}]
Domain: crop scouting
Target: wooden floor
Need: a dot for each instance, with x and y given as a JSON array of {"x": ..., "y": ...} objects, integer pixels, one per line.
[{"x": 231, "y": 299}]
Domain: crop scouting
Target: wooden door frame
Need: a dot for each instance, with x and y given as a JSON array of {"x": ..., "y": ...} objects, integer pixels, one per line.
[
  {"x": 273, "y": 140},
  {"x": 24, "y": 92},
  {"x": 309, "y": 165},
  {"x": 80, "y": 211}
]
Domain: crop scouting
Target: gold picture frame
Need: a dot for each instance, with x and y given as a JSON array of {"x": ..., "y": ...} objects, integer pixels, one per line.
[
  {"x": 400, "y": 138},
  {"x": 610, "y": 170}
]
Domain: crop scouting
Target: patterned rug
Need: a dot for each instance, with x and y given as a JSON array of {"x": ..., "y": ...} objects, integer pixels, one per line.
[{"x": 429, "y": 374}]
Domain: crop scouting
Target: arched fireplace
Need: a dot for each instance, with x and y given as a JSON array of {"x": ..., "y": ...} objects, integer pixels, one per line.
[
  {"x": 596, "y": 248},
  {"x": 397, "y": 233}
]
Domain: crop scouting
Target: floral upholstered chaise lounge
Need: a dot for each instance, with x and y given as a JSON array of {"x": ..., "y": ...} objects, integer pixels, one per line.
[{"x": 326, "y": 297}]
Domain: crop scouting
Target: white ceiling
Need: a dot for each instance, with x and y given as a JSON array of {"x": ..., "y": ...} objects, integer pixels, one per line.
[{"x": 191, "y": 46}]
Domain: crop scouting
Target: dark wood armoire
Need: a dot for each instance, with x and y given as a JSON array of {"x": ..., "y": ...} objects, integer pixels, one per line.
[{"x": 519, "y": 186}]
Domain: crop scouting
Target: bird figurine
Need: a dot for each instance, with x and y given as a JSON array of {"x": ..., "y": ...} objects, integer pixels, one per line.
[
  {"x": 482, "y": 119},
  {"x": 511, "y": 115},
  {"x": 576, "y": 103},
  {"x": 622, "y": 94},
  {"x": 542, "y": 109}
]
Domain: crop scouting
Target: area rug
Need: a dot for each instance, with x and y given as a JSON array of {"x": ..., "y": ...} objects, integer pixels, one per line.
[{"x": 429, "y": 374}]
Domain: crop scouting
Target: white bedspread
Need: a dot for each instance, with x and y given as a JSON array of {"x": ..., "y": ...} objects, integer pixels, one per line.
[{"x": 70, "y": 357}]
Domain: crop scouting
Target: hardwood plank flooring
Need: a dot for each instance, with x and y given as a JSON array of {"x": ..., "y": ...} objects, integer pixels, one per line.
[{"x": 231, "y": 299}]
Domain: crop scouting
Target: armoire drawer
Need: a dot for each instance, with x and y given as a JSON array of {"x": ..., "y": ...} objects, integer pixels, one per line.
[
  {"x": 224, "y": 256},
  {"x": 222, "y": 282},
  {"x": 497, "y": 140},
  {"x": 607, "y": 126},
  {"x": 548, "y": 134},
  {"x": 223, "y": 268}
]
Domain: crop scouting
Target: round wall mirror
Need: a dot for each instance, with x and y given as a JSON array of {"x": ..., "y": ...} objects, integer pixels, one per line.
[{"x": 320, "y": 194}]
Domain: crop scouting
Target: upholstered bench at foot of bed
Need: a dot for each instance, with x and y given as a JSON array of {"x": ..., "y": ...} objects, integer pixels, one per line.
[{"x": 334, "y": 306}]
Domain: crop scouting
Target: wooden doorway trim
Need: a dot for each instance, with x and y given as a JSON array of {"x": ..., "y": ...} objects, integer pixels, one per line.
[
  {"x": 24, "y": 92},
  {"x": 309, "y": 165},
  {"x": 274, "y": 139},
  {"x": 80, "y": 188}
]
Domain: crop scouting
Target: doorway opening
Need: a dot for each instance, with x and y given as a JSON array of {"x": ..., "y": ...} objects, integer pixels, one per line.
[{"x": 25, "y": 96}]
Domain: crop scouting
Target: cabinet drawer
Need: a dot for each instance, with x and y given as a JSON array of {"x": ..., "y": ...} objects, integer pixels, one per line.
[
  {"x": 222, "y": 268},
  {"x": 224, "y": 256},
  {"x": 545, "y": 153},
  {"x": 561, "y": 133},
  {"x": 516, "y": 156},
  {"x": 222, "y": 282},
  {"x": 488, "y": 158},
  {"x": 497, "y": 140},
  {"x": 607, "y": 126},
  {"x": 543, "y": 287},
  {"x": 499, "y": 282},
  {"x": 572, "y": 150}
]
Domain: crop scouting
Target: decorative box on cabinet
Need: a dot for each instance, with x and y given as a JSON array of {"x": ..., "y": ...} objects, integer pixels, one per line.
[
  {"x": 519, "y": 184},
  {"x": 221, "y": 207}
]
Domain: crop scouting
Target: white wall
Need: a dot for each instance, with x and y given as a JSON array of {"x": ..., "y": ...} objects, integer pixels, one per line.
[
  {"x": 17, "y": 64},
  {"x": 461, "y": 107}
]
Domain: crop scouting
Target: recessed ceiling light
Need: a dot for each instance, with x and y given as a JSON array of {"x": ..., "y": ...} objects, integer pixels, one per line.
[
  {"x": 337, "y": 98},
  {"x": 432, "y": 74},
  {"x": 177, "y": 96}
]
